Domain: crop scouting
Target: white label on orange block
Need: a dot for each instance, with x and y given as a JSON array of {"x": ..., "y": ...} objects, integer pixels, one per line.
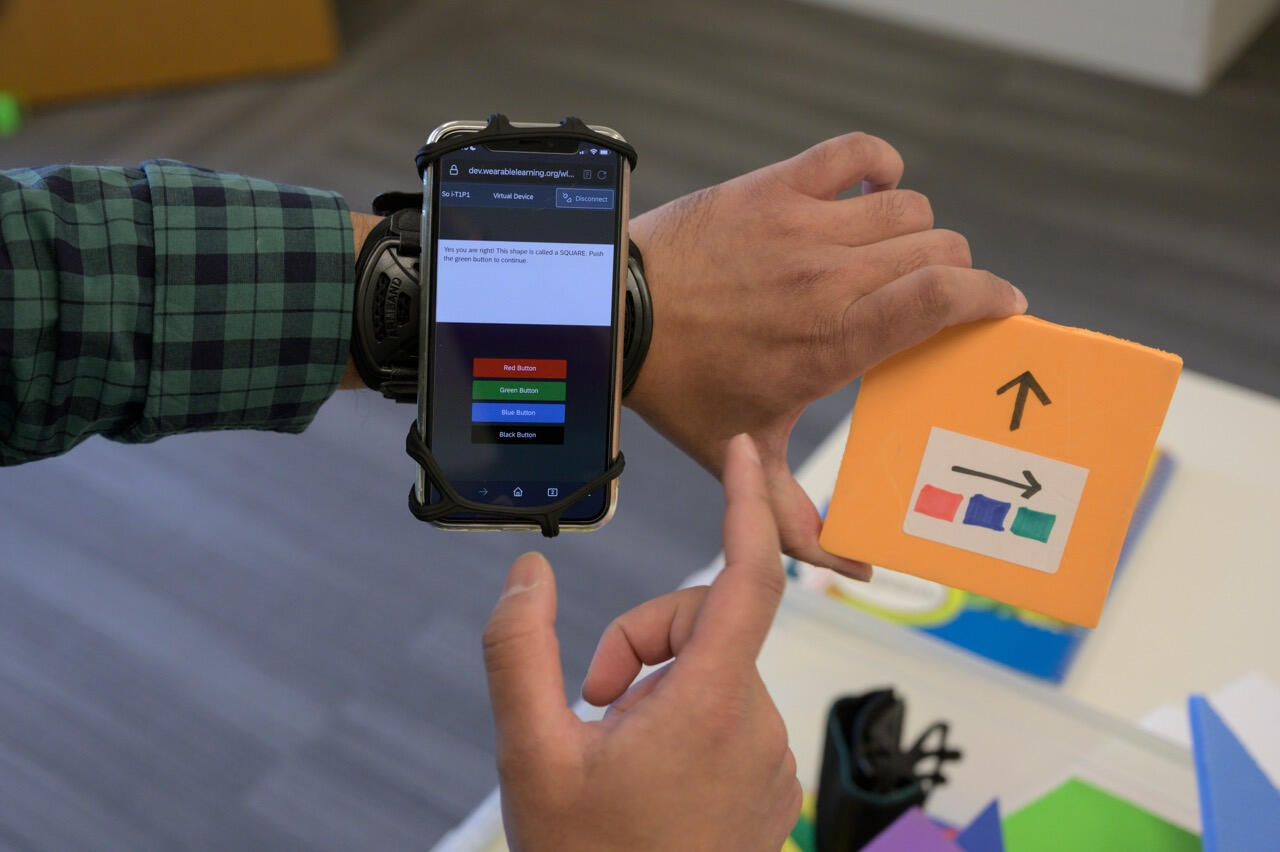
[{"x": 991, "y": 499}]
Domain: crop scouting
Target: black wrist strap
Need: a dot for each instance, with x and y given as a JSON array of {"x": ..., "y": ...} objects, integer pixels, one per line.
[
  {"x": 385, "y": 326},
  {"x": 637, "y": 320}
]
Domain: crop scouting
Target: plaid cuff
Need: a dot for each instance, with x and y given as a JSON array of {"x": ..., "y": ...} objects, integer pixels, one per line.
[
  {"x": 76, "y": 275},
  {"x": 251, "y": 320}
]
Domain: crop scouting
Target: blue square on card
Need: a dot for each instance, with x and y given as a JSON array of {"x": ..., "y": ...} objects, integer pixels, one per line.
[{"x": 985, "y": 512}]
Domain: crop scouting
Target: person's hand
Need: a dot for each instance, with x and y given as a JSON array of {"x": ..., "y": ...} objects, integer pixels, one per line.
[
  {"x": 768, "y": 293},
  {"x": 694, "y": 756}
]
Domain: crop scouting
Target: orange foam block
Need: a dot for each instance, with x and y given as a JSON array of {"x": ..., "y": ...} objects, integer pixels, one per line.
[{"x": 1003, "y": 457}]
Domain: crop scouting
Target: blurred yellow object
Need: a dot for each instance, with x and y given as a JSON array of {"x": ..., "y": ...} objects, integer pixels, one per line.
[{"x": 58, "y": 49}]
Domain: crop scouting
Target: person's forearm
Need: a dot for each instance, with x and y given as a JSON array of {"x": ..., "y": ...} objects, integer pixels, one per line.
[
  {"x": 361, "y": 225},
  {"x": 213, "y": 301}
]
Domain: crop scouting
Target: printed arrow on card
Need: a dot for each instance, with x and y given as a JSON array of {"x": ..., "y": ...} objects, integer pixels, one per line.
[{"x": 1030, "y": 486}]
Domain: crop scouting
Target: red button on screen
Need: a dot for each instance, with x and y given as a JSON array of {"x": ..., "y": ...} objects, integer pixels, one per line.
[{"x": 524, "y": 368}]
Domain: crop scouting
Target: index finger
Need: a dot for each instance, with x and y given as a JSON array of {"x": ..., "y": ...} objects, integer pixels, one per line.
[
  {"x": 740, "y": 605},
  {"x": 829, "y": 168}
]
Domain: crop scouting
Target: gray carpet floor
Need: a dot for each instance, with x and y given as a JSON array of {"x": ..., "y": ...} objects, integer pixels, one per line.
[{"x": 244, "y": 641}]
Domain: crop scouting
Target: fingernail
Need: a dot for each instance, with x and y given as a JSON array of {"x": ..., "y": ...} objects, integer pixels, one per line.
[
  {"x": 525, "y": 574},
  {"x": 1020, "y": 300},
  {"x": 750, "y": 448}
]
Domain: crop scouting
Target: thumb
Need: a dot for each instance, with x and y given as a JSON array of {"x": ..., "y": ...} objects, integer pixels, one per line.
[
  {"x": 799, "y": 524},
  {"x": 522, "y": 657}
]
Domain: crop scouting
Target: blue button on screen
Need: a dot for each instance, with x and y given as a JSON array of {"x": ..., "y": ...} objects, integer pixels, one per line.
[{"x": 513, "y": 412}]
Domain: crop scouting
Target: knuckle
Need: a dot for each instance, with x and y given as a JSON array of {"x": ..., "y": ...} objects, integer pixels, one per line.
[
  {"x": 824, "y": 345},
  {"x": 919, "y": 257},
  {"x": 894, "y": 205},
  {"x": 996, "y": 284},
  {"x": 724, "y": 724},
  {"x": 511, "y": 763},
  {"x": 615, "y": 632},
  {"x": 855, "y": 142},
  {"x": 776, "y": 738},
  {"x": 797, "y": 802},
  {"x": 825, "y": 154},
  {"x": 868, "y": 325},
  {"x": 790, "y": 224},
  {"x": 823, "y": 334},
  {"x": 891, "y": 153},
  {"x": 838, "y": 154},
  {"x": 955, "y": 248},
  {"x": 807, "y": 275},
  {"x": 769, "y": 578},
  {"x": 857, "y": 145},
  {"x": 503, "y": 644},
  {"x": 916, "y": 208},
  {"x": 933, "y": 294},
  {"x": 992, "y": 290}
]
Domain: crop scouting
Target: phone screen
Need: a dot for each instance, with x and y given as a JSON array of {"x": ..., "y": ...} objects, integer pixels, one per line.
[{"x": 521, "y": 353}]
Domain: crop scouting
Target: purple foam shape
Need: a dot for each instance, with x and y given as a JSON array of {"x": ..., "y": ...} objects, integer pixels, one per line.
[{"x": 913, "y": 832}]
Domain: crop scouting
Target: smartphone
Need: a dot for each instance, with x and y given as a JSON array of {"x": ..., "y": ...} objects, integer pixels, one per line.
[{"x": 525, "y": 252}]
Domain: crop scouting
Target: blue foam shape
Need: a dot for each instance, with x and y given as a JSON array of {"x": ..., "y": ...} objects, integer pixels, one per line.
[
  {"x": 983, "y": 834},
  {"x": 1000, "y": 635},
  {"x": 1239, "y": 806}
]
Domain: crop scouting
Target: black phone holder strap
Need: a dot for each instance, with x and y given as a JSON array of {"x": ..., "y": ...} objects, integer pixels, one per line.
[
  {"x": 450, "y": 502},
  {"x": 386, "y": 331},
  {"x": 385, "y": 326},
  {"x": 500, "y": 129}
]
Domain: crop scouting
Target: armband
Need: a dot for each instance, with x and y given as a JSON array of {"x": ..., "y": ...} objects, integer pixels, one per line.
[{"x": 389, "y": 307}]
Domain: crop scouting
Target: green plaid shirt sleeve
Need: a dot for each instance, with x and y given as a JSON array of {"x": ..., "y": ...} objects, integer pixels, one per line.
[{"x": 139, "y": 303}]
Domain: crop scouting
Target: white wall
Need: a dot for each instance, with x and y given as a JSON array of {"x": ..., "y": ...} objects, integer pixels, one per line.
[{"x": 1179, "y": 44}]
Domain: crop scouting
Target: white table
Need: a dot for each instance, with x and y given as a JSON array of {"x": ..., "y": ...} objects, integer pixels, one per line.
[{"x": 1194, "y": 608}]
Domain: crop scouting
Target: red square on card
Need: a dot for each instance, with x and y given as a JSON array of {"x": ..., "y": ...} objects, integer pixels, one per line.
[{"x": 938, "y": 503}]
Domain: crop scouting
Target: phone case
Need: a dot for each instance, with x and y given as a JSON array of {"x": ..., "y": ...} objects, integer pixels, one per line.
[{"x": 450, "y": 137}]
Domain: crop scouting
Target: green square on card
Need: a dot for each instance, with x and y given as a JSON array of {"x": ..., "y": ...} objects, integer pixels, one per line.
[{"x": 1029, "y": 523}]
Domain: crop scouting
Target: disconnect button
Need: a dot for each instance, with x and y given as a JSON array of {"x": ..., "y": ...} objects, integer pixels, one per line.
[{"x": 577, "y": 198}]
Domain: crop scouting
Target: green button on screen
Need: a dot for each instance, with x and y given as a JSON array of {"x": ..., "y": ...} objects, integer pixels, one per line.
[{"x": 500, "y": 389}]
